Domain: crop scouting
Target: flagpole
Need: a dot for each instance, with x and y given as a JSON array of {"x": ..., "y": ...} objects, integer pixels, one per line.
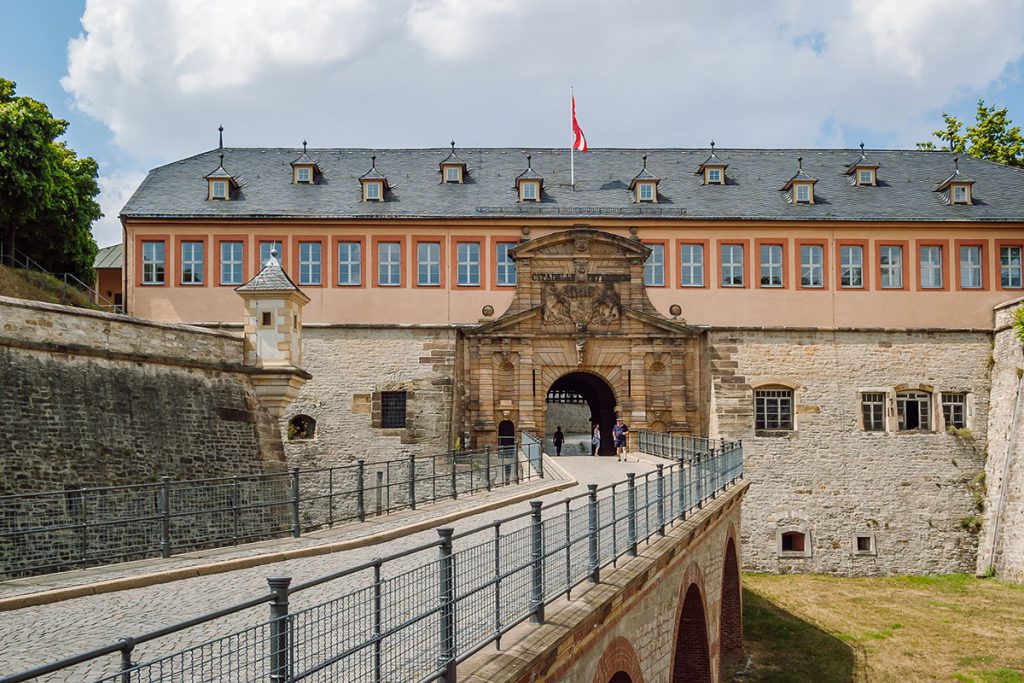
[{"x": 572, "y": 146}]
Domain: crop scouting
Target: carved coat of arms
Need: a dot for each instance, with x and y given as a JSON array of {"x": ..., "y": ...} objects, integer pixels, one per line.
[{"x": 581, "y": 304}]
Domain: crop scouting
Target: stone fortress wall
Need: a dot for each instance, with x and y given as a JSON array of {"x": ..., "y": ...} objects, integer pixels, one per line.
[
  {"x": 94, "y": 399},
  {"x": 913, "y": 492},
  {"x": 1002, "y": 538}
]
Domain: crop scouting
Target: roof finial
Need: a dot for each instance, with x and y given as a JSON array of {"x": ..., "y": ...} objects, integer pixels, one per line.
[
  {"x": 862, "y": 148},
  {"x": 712, "y": 146},
  {"x": 956, "y": 164},
  {"x": 453, "y": 146},
  {"x": 222, "y": 159},
  {"x": 273, "y": 251},
  {"x": 220, "y": 129},
  {"x": 645, "y": 162},
  {"x": 800, "y": 163},
  {"x": 373, "y": 161},
  {"x": 303, "y": 146},
  {"x": 529, "y": 161}
]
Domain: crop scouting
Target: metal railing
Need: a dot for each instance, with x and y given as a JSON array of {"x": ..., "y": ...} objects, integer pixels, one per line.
[
  {"x": 77, "y": 528},
  {"x": 674, "y": 446},
  {"x": 30, "y": 265},
  {"x": 415, "y": 615}
]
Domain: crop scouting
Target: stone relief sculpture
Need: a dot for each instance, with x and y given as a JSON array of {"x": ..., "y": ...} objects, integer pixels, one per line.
[{"x": 581, "y": 304}]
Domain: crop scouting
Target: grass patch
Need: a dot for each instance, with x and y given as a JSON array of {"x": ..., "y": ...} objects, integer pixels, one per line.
[
  {"x": 34, "y": 286},
  {"x": 909, "y": 628}
]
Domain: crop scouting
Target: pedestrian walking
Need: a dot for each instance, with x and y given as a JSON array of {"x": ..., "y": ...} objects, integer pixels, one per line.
[
  {"x": 595, "y": 440},
  {"x": 558, "y": 439},
  {"x": 619, "y": 432}
]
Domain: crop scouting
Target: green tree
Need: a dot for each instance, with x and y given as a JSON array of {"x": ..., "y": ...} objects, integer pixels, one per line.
[
  {"x": 991, "y": 137},
  {"x": 47, "y": 193}
]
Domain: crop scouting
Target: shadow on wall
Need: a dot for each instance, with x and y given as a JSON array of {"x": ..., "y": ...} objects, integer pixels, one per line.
[{"x": 784, "y": 647}]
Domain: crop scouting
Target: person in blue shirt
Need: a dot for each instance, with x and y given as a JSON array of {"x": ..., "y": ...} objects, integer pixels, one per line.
[{"x": 619, "y": 432}]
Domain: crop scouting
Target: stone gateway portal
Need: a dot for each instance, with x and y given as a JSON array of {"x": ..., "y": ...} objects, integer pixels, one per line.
[{"x": 581, "y": 321}]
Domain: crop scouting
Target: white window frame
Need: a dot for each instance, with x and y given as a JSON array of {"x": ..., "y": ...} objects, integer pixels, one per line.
[
  {"x": 802, "y": 193},
  {"x": 875, "y": 399},
  {"x": 922, "y": 399},
  {"x": 506, "y": 265},
  {"x": 864, "y": 176},
  {"x": 530, "y": 190},
  {"x": 374, "y": 191},
  {"x": 930, "y": 267},
  {"x": 953, "y": 402},
  {"x": 715, "y": 176},
  {"x": 310, "y": 263},
  {"x": 645, "y": 192},
  {"x": 218, "y": 189},
  {"x": 970, "y": 267},
  {"x": 654, "y": 266},
  {"x": 812, "y": 270},
  {"x": 304, "y": 174},
  {"x": 467, "y": 264},
  {"x": 959, "y": 194},
  {"x": 452, "y": 174},
  {"x": 891, "y": 272},
  {"x": 428, "y": 264},
  {"x": 192, "y": 263},
  {"x": 350, "y": 264},
  {"x": 154, "y": 263},
  {"x": 1011, "y": 271},
  {"x": 851, "y": 270},
  {"x": 231, "y": 263},
  {"x": 691, "y": 265},
  {"x": 732, "y": 266},
  {"x": 771, "y": 265},
  {"x": 389, "y": 264}
]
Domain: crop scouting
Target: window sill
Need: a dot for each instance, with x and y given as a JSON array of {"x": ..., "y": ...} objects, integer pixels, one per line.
[
  {"x": 775, "y": 432},
  {"x": 793, "y": 555}
]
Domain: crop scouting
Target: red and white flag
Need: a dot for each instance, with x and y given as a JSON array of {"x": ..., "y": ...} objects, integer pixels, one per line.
[{"x": 579, "y": 140}]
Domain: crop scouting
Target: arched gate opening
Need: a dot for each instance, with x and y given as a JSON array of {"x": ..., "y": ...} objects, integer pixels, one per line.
[{"x": 598, "y": 397}]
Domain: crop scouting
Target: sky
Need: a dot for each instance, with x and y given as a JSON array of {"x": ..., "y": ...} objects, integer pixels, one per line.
[{"x": 146, "y": 82}]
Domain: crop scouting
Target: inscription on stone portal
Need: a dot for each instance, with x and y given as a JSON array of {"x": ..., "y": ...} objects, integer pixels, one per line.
[{"x": 581, "y": 304}]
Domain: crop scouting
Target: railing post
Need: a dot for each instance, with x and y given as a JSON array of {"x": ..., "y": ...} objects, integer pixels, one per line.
[
  {"x": 127, "y": 647},
  {"x": 165, "y": 516},
  {"x": 412, "y": 481},
  {"x": 360, "y": 494},
  {"x": 330, "y": 496},
  {"x": 682, "y": 489},
  {"x": 497, "y": 585},
  {"x": 661, "y": 499},
  {"x": 593, "y": 532},
  {"x": 280, "y": 630},
  {"x": 487, "y": 466},
  {"x": 296, "y": 522},
  {"x": 537, "y": 563},
  {"x": 378, "y": 676},
  {"x": 446, "y": 656},
  {"x": 453, "y": 473},
  {"x": 540, "y": 460},
  {"x": 236, "y": 501},
  {"x": 83, "y": 530},
  {"x": 378, "y": 494},
  {"x": 632, "y": 512}
]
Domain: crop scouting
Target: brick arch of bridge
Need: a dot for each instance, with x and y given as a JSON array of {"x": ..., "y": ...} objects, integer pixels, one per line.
[
  {"x": 693, "y": 647},
  {"x": 596, "y": 390},
  {"x": 730, "y": 620},
  {"x": 619, "y": 663}
]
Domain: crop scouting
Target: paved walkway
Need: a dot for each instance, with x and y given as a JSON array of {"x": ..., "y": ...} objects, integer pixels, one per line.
[{"x": 37, "y": 635}]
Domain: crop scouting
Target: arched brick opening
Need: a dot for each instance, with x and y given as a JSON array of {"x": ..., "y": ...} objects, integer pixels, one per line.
[
  {"x": 730, "y": 624},
  {"x": 692, "y": 661},
  {"x": 619, "y": 664}
]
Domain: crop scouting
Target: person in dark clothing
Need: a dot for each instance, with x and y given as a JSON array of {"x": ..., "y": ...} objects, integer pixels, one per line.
[
  {"x": 619, "y": 432},
  {"x": 558, "y": 439}
]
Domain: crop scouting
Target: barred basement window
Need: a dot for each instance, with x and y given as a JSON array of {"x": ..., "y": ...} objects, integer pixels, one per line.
[
  {"x": 913, "y": 410},
  {"x": 954, "y": 410},
  {"x": 773, "y": 409},
  {"x": 392, "y": 409},
  {"x": 873, "y": 410}
]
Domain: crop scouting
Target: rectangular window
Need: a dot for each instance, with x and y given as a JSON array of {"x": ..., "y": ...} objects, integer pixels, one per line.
[
  {"x": 891, "y": 266},
  {"x": 1010, "y": 267},
  {"x": 654, "y": 267},
  {"x": 959, "y": 194},
  {"x": 506, "y": 266},
  {"x": 231, "y": 263},
  {"x": 714, "y": 175},
  {"x": 931, "y": 267},
  {"x": 865, "y": 177},
  {"x": 152, "y": 263},
  {"x": 954, "y": 409},
  {"x": 303, "y": 174},
  {"x": 803, "y": 194},
  {"x": 451, "y": 174},
  {"x": 773, "y": 409},
  {"x": 468, "y": 264},
  {"x": 872, "y": 405},
  {"x": 970, "y": 267},
  {"x": 392, "y": 409},
  {"x": 691, "y": 265},
  {"x": 266, "y": 248},
  {"x": 373, "y": 191},
  {"x": 530, "y": 191},
  {"x": 646, "y": 192},
  {"x": 771, "y": 265},
  {"x": 812, "y": 265},
  {"x": 389, "y": 264},
  {"x": 220, "y": 189},
  {"x": 191, "y": 263},
  {"x": 309, "y": 263},
  {"x": 428, "y": 264},
  {"x": 912, "y": 408},
  {"x": 350, "y": 263},
  {"x": 851, "y": 266},
  {"x": 732, "y": 265}
]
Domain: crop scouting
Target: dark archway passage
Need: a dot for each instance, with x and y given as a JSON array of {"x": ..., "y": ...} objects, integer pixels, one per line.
[
  {"x": 692, "y": 662},
  {"x": 599, "y": 397},
  {"x": 506, "y": 439},
  {"x": 730, "y": 635},
  {"x": 620, "y": 677}
]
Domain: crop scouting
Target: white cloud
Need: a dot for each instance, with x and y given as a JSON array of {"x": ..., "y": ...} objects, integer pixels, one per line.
[
  {"x": 115, "y": 190},
  {"x": 162, "y": 74}
]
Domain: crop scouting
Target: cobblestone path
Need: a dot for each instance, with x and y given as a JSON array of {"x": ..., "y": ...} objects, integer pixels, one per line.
[{"x": 37, "y": 635}]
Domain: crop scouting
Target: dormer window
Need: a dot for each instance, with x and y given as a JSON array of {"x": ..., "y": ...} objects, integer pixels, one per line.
[
  {"x": 218, "y": 189},
  {"x": 375, "y": 184},
  {"x": 865, "y": 176},
  {"x": 800, "y": 188},
  {"x": 453, "y": 168},
  {"x": 644, "y": 185},
  {"x": 452, "y": 174},
  {"x": 303, "y": 174},
  {"x": 712, "y": 169},
  {"x": 304, "y": 169},
  {"x": 961, "y": 194},
  {"x": 529, "y": 191},
  {"x": 861, "y": 171},
  {"x": 803, "y": 193},
  {"x": 220, "y": 183},
  {"x": 529, "y": 183},
  {"x": 713, "y": 176},
  {"x": 957, "y": 188}
]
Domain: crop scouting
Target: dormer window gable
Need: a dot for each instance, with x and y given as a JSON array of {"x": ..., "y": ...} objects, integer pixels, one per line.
[
  {"x": 862, "y": 172},
  {"x": 374, "y": 184},
  {"x": 957, "y": 188},
  {"x": 529, "y": 183},
  {"x": 644, "y": 186},
  {"x": 453, "y": 168},
  {"x": 712, "y": 170},
  {"x": 220, "y": 183},
  {"x": 305, "y": 171},
  {"x": 800, "y": 188}
]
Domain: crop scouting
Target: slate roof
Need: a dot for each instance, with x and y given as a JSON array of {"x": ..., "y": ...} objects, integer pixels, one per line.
[
  {"x": 108, "y": 257},
  {"x": 906, "y": 180},
  {"x": 271, "y": 278}
]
